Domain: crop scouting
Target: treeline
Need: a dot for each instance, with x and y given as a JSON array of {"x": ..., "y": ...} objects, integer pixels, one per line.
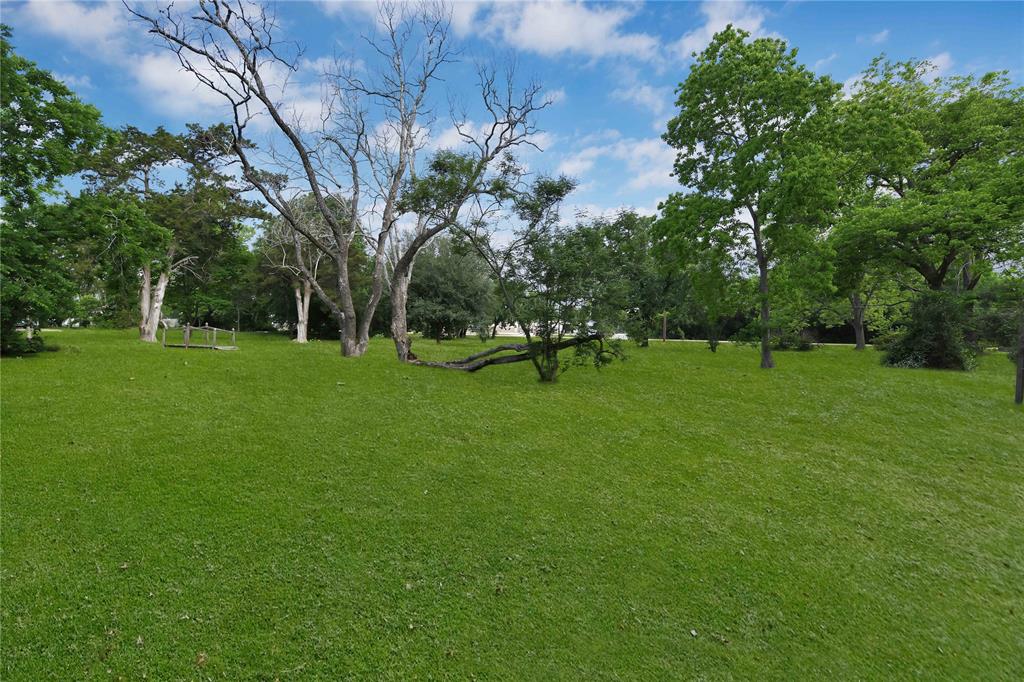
[{"x": 892, "y": 212}]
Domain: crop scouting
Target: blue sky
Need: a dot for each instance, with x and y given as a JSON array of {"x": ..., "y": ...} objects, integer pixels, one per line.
[{"x": 609, "y": 67}]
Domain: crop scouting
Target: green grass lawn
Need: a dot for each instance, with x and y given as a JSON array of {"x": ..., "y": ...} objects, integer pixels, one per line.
[{"x": 282, "y": 512}]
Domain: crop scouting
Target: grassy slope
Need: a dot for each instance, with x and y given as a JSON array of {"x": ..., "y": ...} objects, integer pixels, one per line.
[{"x": 284, "y": 512}]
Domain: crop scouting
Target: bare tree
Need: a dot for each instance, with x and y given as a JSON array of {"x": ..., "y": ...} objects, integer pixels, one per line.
[
  {"x": 230, "y": 46},
  {"x": 465, "y": 189},
  {"x": 363, "y": 146},
  {"x": 290, "y": 251}
]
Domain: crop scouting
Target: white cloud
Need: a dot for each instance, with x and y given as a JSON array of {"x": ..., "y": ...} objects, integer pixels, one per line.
[
  {"x": 556, "y": 96},
  {"x": 448, "y": 138},
  {"x": 463, "y": 12},
  {"x": 95, "y": 27},
  {"x": 648, "y": 162},
  {"x": 554, "y": 28},
  {"x": 875, "y": 38},
  {"x": 581, "y": 162},
  {"x": 74, "y": 82},
  {"x": 604, "y": 135},
  {"x": 941, "y": 63},
  {"x": 818, "y": 65},
  {"x": 851, "y": 85},
  {"x": 590, "y": 210},
  {"x": 463, "y": 16},
  {"x": 337, "y": 8},
  {"x": 170, "y": 88},
  {"x": 718, "y": 15},
  {"x": 655, "y": 99}
]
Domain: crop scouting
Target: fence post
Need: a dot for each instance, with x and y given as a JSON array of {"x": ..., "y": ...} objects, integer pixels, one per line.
[
  {"x": 188, "y": 334},
  {"x": 215, "y": 337}
]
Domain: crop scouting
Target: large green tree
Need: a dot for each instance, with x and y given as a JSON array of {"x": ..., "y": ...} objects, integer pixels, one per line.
[
  {"x": 48, "y": 133},
  {"x": 936, "y": 172},
  {"x": 751, "y": 152}
]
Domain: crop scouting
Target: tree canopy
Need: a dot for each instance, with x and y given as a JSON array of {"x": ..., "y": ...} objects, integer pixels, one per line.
[
  {"x": 48, "y": 133},
  {"x": 749, "y": 152}
]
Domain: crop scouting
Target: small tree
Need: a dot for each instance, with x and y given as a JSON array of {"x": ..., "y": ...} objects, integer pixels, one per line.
[
  {"x": 451, "y": 292},
  {"x": 719, "y": 288},
  {"x": 655, "y": 288},
  {"x": 558, "y": 284},
  {"x": 291, "y": 253}
]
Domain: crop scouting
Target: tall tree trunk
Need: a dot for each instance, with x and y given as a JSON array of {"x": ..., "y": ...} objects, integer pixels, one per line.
[
  {"x": 345, "y": 314},
  {"x": 350, "y": 346},
  {"x": 302, "y": 296},
  {"x": 399, "y": 320},
  {"x": 155, "y": 308},
  {"x": 144, "y": 301},
  {"x": 767, "y": 362},
  {"x": 362, "y": 330},
  {"x": 713, "y": 333},
  {"x": 857, "y": 320}
]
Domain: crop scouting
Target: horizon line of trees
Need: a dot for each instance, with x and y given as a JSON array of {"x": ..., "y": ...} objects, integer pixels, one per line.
[{"x": 894, "y": 211}]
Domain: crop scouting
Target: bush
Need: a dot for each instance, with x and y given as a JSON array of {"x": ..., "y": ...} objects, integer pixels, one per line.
[
  {"x": 933, "y": 336},
  {"x": 802, "y": 340},
  {"x": 18, "y": 343}
]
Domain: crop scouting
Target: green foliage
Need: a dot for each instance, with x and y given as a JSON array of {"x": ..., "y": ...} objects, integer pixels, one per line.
[
  {"x": 651, "y": 286},
  {"x": 281, "y": 270},
  {"x": 754, "y": 152},
  {"x": 719, "y": 288},
  {"x": 148, "y": 216},
  {"x": 996, "y": 306},
  {"x": 934, "y": 172},
  {"x": 570, "y": 288},
  {"x": 451, "y": 290},
  {"x": 438, "y": 192},
  {"x": 562, "y": 285},
  {"x": 933, "y": 336},
  {"x": 47, "y": 134}
]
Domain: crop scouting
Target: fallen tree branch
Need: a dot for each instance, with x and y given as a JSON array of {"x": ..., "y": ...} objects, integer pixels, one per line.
[{"x": 486, "y": 358}]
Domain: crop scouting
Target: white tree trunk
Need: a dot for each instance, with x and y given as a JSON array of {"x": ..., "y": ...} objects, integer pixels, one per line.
[
  {"x": 302, "y": 297},
  {"x": 152, "y": 319},
  {"x": 399, "y": 320},
  {"x": 144, "y": 299}
]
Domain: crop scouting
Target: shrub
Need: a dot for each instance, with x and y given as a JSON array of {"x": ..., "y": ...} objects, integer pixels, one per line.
[
  {"x": 18, "y": 343},
  {"x": 933, "y": 336},
  {"x": 802, "y": 340}
]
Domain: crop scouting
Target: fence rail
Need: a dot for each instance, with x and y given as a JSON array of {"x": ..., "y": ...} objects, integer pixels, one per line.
[{"x": 209, "y": 337}]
